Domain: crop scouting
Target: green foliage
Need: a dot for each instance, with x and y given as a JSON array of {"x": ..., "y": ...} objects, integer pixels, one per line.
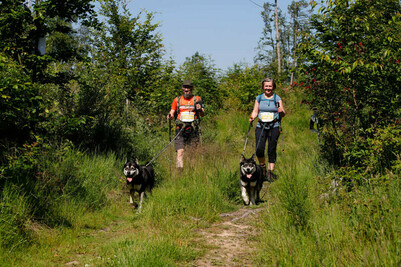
[
  {"x": 202, "y": 72},
  {"x": 16, "y": 29},
  {"x": 353, "y": 72},
  {"x": 241, "y": 84},
  {"x": 131, "y": 48},
  {"x": 21, "y": 29},
  {"x": 21, "y": 106},
  {"x": 376, "y": 154}
]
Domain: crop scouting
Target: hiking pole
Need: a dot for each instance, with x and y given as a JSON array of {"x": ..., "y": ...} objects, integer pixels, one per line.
[
  {"x": 169, "y": 137},
  {"x": 247, "y": 136},
  {"x": 200, "y": 133}
]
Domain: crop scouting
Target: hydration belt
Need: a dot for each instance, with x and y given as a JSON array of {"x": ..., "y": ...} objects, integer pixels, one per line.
[{"x": 189, "y": 127}]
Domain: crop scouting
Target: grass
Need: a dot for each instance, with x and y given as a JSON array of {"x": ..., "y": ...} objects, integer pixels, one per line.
[
  {"x": 303, "y": 228},
  {"x": 298, "y": 227}
]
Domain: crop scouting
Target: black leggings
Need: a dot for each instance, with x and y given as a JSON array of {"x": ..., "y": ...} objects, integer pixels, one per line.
[{"x": 272, "y": 135}]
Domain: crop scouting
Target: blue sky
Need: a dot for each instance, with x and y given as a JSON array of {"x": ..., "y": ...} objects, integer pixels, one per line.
[{"x": 226, "y": 30}]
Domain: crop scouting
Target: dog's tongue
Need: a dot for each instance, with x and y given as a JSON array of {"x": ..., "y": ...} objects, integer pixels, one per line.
[
  {"x": 249, "y": 176},
  {"x": 129, "y": 179}
]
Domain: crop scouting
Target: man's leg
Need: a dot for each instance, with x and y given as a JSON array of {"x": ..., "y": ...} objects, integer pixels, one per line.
[
  {"x": 179, "y": 147},
  {"x": 180, "y": 158}
]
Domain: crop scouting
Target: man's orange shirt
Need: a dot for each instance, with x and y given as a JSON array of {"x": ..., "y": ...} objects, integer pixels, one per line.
[{"x": 185, "y": 105}]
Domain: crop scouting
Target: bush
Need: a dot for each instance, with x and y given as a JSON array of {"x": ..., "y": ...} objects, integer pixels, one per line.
[{"x": 353, "y": 76}]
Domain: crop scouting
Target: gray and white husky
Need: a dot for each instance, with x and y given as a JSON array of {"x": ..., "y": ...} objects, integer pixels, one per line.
[
  {"x": 140, "y": 179},
  {"x": 251, "y": 180}
]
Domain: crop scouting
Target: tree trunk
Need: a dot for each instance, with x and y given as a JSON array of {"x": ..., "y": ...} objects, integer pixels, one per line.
[
  {"x": 295, "y": 32},
  {"x": 277, "y": 39}
]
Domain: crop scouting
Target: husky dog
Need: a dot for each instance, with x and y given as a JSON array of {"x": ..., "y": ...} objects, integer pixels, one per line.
[
  {"x": 140, "y": 179},
  {"x": 251, "y": 180}
]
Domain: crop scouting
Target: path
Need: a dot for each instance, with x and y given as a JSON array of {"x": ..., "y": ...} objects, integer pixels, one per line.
[{"x": 231, "y": 240}]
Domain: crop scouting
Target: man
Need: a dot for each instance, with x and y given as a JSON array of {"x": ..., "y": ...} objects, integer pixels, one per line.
[{"x": 186, "y": 108}]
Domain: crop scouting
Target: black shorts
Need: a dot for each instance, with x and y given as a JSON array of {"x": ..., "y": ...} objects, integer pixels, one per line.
[{"x": 188, "y": 136}]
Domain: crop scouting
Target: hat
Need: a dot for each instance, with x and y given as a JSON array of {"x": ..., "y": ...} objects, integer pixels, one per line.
[{"x": 187, "y": 83}]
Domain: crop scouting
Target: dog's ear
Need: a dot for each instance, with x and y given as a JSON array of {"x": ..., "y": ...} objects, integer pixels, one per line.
[
  {"x": 242, "y": 157},
  {"x": 126, "y": 160},
  {"x": 136, "y": 161},
  {"x": 253, "y": 157}
]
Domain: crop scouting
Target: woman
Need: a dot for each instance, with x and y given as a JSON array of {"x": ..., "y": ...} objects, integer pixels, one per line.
[{"x": 269, "y": 109}]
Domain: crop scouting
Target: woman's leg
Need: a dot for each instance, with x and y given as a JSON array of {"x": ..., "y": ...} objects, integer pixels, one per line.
[
  {"x": 260, "y": 150},
  {"x": 272, "y": 150}
]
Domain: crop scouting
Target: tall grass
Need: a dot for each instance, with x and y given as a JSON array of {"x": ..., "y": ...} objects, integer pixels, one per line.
[
  {"x": 83, "y": 195},
  {"x": 308, "y": 225},
  {"x": 14, "y": 219},
  {"x": 208, "y": 186}
]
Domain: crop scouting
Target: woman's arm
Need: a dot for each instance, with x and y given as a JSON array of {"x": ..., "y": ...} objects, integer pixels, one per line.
[
  {"x": 280, "y": 109},
  {"x": 255, "y": 112}
]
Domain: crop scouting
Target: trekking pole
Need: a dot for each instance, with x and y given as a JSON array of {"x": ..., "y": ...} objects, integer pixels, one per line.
[
  {"x": 247, "y": 136},
  {"x": 169, "y": 137},
  {"x": 200, "y": 133}
]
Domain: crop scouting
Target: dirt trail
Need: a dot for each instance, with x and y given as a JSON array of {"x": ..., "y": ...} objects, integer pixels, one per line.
[{"x": 231, "y": 240}]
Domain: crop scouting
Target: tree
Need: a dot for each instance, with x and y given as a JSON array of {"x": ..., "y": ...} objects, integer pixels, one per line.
[
  {"x": 202, "y": 71},
  {"x": 240, "y": 85},
  {"x": 21, "y": 28},
  {"x": 130, "y": 48},
  {"x": 352, "y": 70},
  {"x": 21, "y": 106},
  {"x": 266, "y": 44},
  {"x": 276, "y": 53},
  {"x": 277, "y": 38},
  {"x": 299, "y": 23}
]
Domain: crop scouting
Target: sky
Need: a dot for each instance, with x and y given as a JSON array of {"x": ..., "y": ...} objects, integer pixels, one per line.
[{"x": 226, "y": 30}]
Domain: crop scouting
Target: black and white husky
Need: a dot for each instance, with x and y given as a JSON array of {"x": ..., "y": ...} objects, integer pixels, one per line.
[
  {"x": 140, "y": 179},
  {"x": 251, "y": 180}
]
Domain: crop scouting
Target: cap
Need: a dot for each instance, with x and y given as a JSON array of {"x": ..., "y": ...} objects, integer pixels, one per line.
[{"x": 187, "y": 83}]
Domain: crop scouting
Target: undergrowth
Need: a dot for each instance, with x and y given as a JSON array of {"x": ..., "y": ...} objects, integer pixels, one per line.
[{"x": 78, "y": 196}]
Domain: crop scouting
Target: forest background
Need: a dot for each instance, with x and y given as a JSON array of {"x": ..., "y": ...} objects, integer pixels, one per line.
[{"x": 101, "y": 90}]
